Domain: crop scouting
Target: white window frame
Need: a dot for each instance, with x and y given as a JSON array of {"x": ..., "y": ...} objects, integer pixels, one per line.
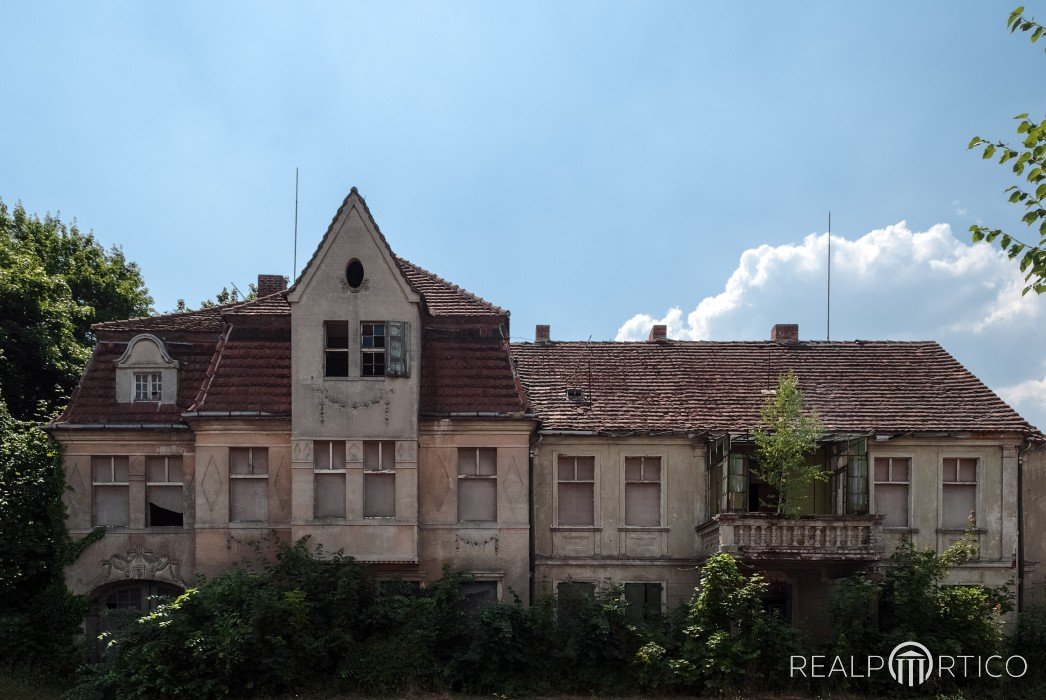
[
  {"x": 111, "y": 484},
  {"x": 595, "y": 489},
  {"x": 373, "y": 350},
  {"x": 660, "y": 496},
  {"x": 347, "y": 350},
  {"x": 873, "y": 482},
  {"x": 249, "y": 475},
  {"x": 382, "y": 469},
  {"x": 941, "y": 483},
  {"x": 477, "y": 476},
  {"x": 148, "y": 386},
  {"x": 166, "y": 482}
]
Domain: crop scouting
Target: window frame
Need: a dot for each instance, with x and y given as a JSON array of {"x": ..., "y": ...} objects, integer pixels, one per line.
[
  {"x": 476, "y": 476},
  {"x": 625, "y": 481},
  {"x": 346, "y": 351},
  {"x": 373, "y": 351},
  {"x": 874, "y": 483},
  {"x": 167, "y": 483},
  {"x": 152, "y": 382},
  {"x": 942, "y": 488},
  {"x": 662, "y": 596},
  {"x": 382, "y": 470},
  {"x": 250, "y": 475},
  {"x": 595, "y": 488},
  {"x": 328, "y": 472},
  {"x": 113, "y": 484}
]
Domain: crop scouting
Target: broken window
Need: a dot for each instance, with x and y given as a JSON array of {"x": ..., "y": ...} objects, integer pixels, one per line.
[
  {"x": 644, "y": 602},
  {"x": 329, "y": 474},
  {"x": 959, "y": 493},
  {"x": 164, "y": 492},
  {"x": 479, "y": 595},
  {"x": 372, "y": 349},
  {"x": 379, "y": 479},
  {"x": 848, "y": 462},
  {"x": 576, "y": 482},
  {"x": 477, "y": 484},
  {"x": 110, "y": 492},
  {"x": 335, "y": 348},
  {"x": 148, "y": 386},
  {"x": 248, "y": 484},
  {"x": 643, "y": 491},
  {"x": 892, "y": 483},
  {"x": 726, "y": 478}
]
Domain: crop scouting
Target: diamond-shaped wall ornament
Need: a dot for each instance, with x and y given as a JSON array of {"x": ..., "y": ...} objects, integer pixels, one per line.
[
  {"x": 211, "y": 484},
  {"x": 441, "y": 487},
  {"x": 354, "y": 451},
  {"x": 303, "y": 450},
  {"x": 279, "y": 488},
  {"x": 76, "y": 477}
]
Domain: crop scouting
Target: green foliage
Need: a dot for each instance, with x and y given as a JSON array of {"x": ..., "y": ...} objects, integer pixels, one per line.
[
  {"x": 1029, "y": 167},
  {"x": 911, "y": 601},
  {"x": 729, "y": 642},
  {"x": 319, "y": 623},
  {"x": 785, "y": 439},
  {"x": 55, "y": 281},
  {"x": 39, "y": 618}
]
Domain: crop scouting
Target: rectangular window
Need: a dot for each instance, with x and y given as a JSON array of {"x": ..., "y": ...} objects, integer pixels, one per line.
[
  {"x": 479, "y": 595},
  {"x": 379, "y": 479},
  {"x": 148, "y": 386},
  {"x": 576, "y": 483},
  {"x": 892, "y": 480},
  {"x": 248, "y": 484},
  {"x": 335, "y": 348},
  {"x": 644, "y": 602},
  {"x": 164, "y": 492},
  {"x": 477, "y": 484},
  {"x": 372, "y": 349},
  {"x": 643, "y": 491},
  {"x": 110, "y": 493},
  {"x": 329, "y": 487},
  {"x": 959, "y": 493}
]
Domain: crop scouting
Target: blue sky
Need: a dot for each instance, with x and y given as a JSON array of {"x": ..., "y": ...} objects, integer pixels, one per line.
[{"x": 578, "y": 163}]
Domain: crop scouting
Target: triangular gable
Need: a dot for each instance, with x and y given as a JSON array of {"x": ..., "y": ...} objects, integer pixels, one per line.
[{"x": 353, "y": 203}]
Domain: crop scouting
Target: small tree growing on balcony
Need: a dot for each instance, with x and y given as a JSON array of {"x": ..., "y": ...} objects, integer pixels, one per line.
[{"x": 786, "y": 437}]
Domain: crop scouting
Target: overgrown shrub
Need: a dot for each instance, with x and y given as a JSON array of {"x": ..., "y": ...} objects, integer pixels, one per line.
[{"x": 729, "y": 642}]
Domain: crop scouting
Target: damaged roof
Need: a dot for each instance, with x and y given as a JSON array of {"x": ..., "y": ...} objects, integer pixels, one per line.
[{"x": 858, "y": 386}]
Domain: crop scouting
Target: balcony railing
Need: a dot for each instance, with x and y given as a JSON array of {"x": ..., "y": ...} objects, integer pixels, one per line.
[{"x": 810, "y": 538}]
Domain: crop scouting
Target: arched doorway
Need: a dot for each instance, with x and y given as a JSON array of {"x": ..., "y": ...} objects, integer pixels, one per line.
[{"x": 117, "y": 604}]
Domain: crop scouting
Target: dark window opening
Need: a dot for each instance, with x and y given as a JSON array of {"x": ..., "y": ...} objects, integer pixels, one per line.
[
  {"x": 162, "y": 517},
  {"x": 778, "y": 601},
  {"x": 336, "y": 348},
  {"x": 644, "y": 602},
  {"x": 762, "y": 497},
  {"x": 571, "y": 598},
  {"x": 354, "y": 273},
  {"x": 479, "y": 595}
]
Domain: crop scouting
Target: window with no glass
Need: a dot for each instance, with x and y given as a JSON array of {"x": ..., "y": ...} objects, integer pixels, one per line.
[
  {"x": 379, "y": 479},
  {"x": 372, "y": 349},
  {"x": 643, "y": 491},
  {"x": 110, "y": 493},
  {"x": 576, "y": 482},
  {"x": 477, "y": 484},
  {"x": 248, "y": 484},
  {"x": 335, "y": 348},
  {"x": 148, "y": 386},
  {"x": 959, "y": 493},
  {"x": 164, "y": 492}
]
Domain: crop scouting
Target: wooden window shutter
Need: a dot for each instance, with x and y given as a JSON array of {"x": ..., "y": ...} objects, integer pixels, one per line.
[{"x": 397, "y": 363}]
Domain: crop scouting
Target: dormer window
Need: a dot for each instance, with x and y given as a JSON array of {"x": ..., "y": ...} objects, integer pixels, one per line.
[{"x": 148, "y": 386}]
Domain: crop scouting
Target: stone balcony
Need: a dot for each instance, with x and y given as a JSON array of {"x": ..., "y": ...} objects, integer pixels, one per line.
[{"x": 767, "y": 537}]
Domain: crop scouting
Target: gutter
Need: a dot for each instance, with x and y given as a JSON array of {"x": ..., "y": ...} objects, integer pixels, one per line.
[
  {"x": 227, "y": 414},
  {"x": 114, "y": 426}
]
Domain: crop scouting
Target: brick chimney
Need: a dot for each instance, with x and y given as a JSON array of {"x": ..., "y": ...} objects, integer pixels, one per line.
[
  {"x": 270, "y": 284},
  {"x": 543, "y": 333},
  {"x": 657, "y": 333},
  {"x": 785, "y": 333}
]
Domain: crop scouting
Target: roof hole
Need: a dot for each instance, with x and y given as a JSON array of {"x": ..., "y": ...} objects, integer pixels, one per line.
[{"x": 574, "y": 394}]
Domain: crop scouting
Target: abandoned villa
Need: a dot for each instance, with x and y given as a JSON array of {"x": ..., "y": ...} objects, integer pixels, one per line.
[{"x": 382, "y": 411}]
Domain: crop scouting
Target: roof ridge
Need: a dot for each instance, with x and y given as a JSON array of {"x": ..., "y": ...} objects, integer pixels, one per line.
[
  {"x": 217, "y": 308},
  {"x": 455, "y": 287}
]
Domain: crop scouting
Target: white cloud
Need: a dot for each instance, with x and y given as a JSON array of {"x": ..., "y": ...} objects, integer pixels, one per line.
[
  {"x": 892, "y": 283},
  {"x": 1028, "y": 397}
]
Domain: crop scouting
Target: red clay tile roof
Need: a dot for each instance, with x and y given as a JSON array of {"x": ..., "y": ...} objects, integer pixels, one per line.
[
  {"x": 891, "y": 387},
  {"x": 94, "y": 401},
  {"x": 250, "y": 373},
  {"x": 444, "y": 298},
  {"x": 467, "y": 371}
]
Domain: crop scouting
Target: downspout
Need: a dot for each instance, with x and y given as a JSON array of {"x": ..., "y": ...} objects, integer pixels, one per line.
[
  {"x": 530, "y": 507},
  {"x": 1022, "y": 449}
]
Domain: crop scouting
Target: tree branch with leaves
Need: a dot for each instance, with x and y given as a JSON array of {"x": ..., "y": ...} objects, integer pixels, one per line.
[{"x": 1029, "y": 165}]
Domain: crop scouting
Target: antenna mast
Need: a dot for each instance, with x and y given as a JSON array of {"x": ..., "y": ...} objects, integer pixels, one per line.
[
  {"x": 294, "y": 272},
  {"x": 828, "y": 314}
]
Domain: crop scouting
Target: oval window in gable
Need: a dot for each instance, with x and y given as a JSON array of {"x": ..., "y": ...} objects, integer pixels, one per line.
[{"x": 354, "y": 273}]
